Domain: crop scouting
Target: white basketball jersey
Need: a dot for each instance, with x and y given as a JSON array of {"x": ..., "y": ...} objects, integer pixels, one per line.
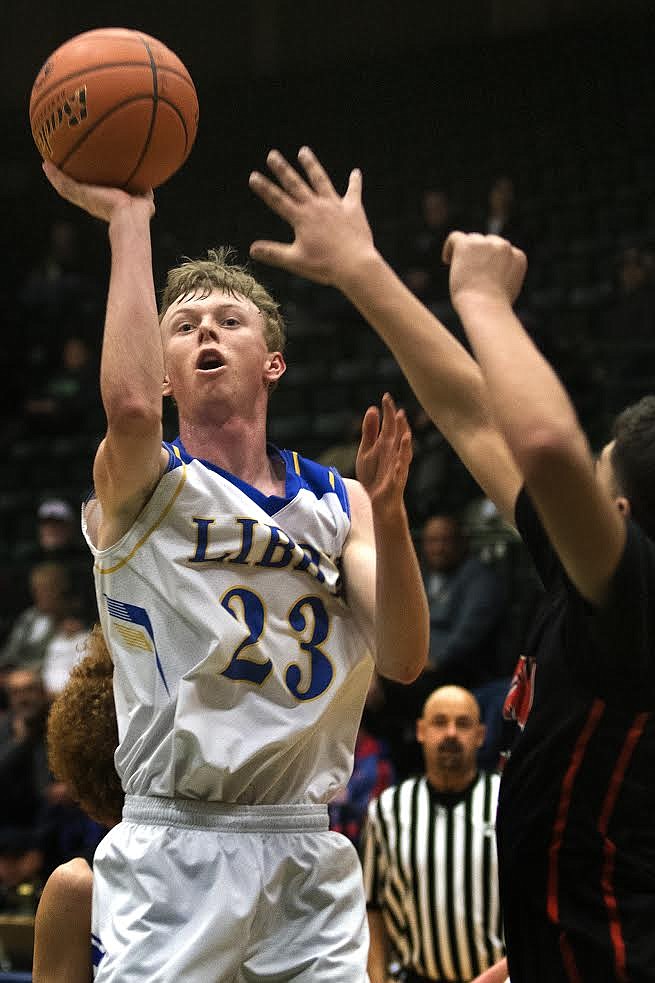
[{"x": 240, "y": 674}]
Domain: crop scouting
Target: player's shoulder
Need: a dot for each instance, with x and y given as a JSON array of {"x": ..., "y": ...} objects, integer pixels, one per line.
[
  {"x": 70, "y": 884},
  {"x": 320, "y": 479}
]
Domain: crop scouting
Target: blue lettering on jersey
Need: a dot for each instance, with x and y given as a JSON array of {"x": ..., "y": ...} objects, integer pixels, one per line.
[{"x": 258, "y": 544}]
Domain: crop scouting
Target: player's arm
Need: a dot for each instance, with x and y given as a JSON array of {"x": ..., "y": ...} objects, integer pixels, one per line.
[
  {"x": 62, "y": 927},
  {"x": 130, "y": 459},
  {"x": 378, "y": 953},
  {"x": 333, "y": 245},
  {"x": 534, "y": 413},
  {"x": 381, "y": 571},
  {"x": 495, "y": 974}
]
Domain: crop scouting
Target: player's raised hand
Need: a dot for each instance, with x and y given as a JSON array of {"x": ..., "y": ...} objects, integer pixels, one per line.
[
  {"x": 483, "y": 267},
  {"x": 384, "y": 455},
  {"x": 331, "y": 232},
  {"x": 97, "y": 200}
]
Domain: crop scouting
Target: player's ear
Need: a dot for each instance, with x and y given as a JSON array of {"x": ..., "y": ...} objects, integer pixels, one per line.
[
  {"x": 166, "y": 387},
  {"x": 274, "y": 367},
  {"x": 623, "y": 505}
]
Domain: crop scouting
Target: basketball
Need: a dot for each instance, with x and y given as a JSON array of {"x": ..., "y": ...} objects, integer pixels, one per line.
[{"x": 114, "y": 107}]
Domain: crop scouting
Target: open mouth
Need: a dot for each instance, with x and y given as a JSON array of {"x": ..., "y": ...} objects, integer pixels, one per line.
[{"x": 209, "y": 361}]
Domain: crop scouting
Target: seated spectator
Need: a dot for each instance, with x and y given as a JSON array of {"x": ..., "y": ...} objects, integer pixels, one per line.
[
  {"x": 501, "y": 216},
  {"x": 373, "y": 770},
  {"x": 24, "y": 778},
  {"x": 421, "y": 265},
  {"x": 343, "y": 454},
  {"x": 35, "y": 626},
  {"x": 468, "y": 601},
  {"x": 63, "y": 652},
  {"x": 67, "y": 400}
]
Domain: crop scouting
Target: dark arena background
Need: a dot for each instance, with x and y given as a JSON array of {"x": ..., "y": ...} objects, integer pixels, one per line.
[{"x": 548, "y": 105}]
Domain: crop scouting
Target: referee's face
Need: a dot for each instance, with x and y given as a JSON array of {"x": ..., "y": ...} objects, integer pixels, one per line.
[{"x": 450, "y": 732}]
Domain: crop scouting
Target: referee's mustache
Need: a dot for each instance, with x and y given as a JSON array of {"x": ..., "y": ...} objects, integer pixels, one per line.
[{"x": 450, "y": 745}]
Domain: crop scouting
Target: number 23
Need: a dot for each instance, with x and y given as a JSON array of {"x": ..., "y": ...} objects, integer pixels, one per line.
[{"x": 307, "y": 616}]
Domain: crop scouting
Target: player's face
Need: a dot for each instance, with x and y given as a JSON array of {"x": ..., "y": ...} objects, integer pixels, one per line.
[
  {"x": 450, "y": 730},
  {"x": 214, "y": 348}
]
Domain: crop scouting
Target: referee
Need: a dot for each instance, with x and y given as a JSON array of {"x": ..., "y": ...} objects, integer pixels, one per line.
[{"x": 429, "y": 857}]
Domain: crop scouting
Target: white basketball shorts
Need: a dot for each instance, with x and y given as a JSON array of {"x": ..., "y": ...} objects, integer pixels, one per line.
[{"x": 200, "y": 892}]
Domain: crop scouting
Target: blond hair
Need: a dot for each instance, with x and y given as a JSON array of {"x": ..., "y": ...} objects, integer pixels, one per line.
[{"x": 216, "y": 272}]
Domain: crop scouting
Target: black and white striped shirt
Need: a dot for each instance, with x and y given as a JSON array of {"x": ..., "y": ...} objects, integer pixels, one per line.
[{"x": 430, "y": 867}]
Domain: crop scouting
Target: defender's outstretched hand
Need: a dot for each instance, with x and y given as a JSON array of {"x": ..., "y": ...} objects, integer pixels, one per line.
[
  {"x": 483, "y": 266},
  {"x": 384, "y": 455},
  {"x": 332, "y": 233},
  {"x": 98, "y": 201}
]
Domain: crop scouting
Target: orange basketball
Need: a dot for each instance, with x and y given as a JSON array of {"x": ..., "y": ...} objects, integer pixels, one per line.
[{"x": 115, "y": 107}]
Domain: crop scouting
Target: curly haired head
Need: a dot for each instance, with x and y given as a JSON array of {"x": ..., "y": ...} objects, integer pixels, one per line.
[{"x": 83, "y": 735}]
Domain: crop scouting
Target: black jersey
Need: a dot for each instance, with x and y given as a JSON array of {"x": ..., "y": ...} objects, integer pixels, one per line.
[{"x": 576, "y": 819}]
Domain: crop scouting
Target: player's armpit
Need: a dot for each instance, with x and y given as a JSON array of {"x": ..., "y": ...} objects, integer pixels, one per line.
[{"x": 125, "y": 473}]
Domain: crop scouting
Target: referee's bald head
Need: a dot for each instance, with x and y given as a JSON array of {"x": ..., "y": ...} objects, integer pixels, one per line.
[{"x": 452, "y": 695}]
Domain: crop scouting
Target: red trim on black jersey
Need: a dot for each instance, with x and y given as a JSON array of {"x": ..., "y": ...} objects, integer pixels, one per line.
[
  {"x": 552, "y": 902},
  {"x": 609, "y": 849}
]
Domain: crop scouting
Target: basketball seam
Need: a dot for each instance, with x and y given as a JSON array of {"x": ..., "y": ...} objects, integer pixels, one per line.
[
  {"x": 125, "y": 102},
  {"x": 153, "y": 114},
  {"x": 105, "y": 67}
]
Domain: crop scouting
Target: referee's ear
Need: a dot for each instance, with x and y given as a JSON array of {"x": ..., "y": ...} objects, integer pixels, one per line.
[{"x": 482, "y": 733}]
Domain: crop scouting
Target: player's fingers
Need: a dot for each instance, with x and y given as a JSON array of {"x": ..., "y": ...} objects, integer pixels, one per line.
[
  {"x": 274, "y": 196},
  {"x": 370, "y": 428},
  {"x": 288, "y": 177},
  {"x": 403, "y": 461},
  {"x": 280, "y": 254},
  {"x": 66, "y": 187},
  {"x": 354, "y": 189},
  {"x": 318, "y": 176},
  {"x": 402, "y": 428},
  {"x": 450, "y": 245},
  {"x": 388, "y": 418}
]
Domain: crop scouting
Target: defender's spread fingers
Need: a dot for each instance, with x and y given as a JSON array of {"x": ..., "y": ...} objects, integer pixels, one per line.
[
  {"x": 288, "y": 177},
  {"x": 274, "y": 196},
  {"x": 318, "y": 176}
]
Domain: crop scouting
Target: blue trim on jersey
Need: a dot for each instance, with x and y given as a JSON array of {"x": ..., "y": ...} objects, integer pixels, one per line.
[
  {"x": 173, "y": 460},
  {"x": 97, "y": 950},
  {"x": 313, "y": 476},
  {"x": 135, "y": 615}
]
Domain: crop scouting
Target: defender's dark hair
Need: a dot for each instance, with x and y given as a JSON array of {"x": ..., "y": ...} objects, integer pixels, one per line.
[{"x": 633, "y": 460}]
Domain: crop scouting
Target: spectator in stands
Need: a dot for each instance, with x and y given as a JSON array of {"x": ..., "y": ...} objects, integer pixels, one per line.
[
  {"x": 63, "y": 652},
  {"x": 24, "y": 778},
  {"x": 421, "y": 263},
  {"x": 67, "y": 401},
  {"x": 343, "y": 454},
  {"x": 467, "y": 600},
  {"x": 56, "y": 291},
  {"x": 437, "y": 479},
  {"x": 373, "y": 770},
  {"x": 34, "y": 627},
  {"x": 501, "y": 217},
  {"x": 443, "y": 920}
]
